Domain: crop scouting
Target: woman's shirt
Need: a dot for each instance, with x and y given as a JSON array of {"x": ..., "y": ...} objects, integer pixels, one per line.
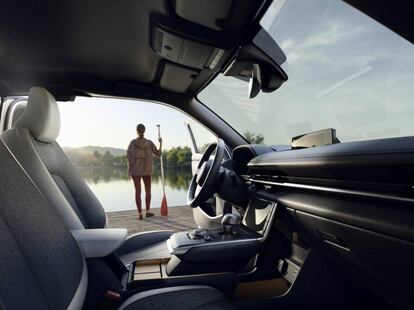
[{"x": 140, "y": 155}]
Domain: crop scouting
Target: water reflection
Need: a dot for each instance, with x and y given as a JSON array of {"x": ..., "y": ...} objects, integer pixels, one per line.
[
  {"x": 117, "y": 193},
  {"x": 174, "y": 179}
]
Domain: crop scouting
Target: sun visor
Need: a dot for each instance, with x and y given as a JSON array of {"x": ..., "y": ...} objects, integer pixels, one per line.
[{"x": 177, "y": 78}]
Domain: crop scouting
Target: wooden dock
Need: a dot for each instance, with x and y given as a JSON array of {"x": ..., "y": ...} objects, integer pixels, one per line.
[{"x": 178, "y": 219}]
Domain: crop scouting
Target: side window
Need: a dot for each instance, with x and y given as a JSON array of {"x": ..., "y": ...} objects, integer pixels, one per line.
[
  {"x": 95, "y": 135},
  {"x": 200, "y": 136}
]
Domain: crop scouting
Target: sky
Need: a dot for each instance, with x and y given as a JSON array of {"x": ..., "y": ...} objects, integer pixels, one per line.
[
  {"x": 112, "y": 122},
  {"x": 346, "y": 71}
]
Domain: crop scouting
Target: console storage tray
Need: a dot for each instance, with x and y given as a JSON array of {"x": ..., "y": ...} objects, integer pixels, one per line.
[{"x": 150, "y": 274}]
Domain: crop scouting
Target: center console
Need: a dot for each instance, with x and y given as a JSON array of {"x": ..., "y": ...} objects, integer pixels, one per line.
[
  {"x": 210, "y": 257},
  {"x": 231, "y": 248}
]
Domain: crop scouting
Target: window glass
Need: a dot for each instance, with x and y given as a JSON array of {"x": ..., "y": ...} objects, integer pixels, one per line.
[{"x": 346, "y": 71}]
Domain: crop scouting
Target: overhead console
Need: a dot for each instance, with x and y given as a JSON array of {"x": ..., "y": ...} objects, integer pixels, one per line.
[
  {"x": 201, "y": 38},
  {"x": 185, "y": 51}
]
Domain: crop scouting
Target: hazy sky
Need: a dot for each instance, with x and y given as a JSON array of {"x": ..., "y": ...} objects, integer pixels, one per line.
[
  {"x": 345, "y": 71},
  {"x": 112, "y": 122}
]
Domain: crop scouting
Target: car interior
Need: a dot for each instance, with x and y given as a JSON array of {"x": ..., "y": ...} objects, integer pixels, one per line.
[{"x": 316, "y": 224}]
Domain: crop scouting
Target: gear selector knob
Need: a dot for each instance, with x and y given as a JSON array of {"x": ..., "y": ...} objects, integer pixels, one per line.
[{"x": 229, "y": 221}]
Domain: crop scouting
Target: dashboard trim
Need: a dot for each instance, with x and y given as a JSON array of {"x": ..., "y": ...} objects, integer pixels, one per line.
[{"x": 367, "y": 194}]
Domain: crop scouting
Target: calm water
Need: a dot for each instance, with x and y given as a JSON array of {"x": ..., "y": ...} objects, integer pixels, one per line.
[{"x": 117, "y": 193}]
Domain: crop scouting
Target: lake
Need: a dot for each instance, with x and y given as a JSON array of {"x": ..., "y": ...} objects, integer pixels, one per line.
[{"x": 117, "y": 193}]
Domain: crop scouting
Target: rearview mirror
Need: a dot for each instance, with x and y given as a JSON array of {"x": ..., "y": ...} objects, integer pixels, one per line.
[
  {"x": 261, "y": 69},
  {"x": 255, "y": 82}
]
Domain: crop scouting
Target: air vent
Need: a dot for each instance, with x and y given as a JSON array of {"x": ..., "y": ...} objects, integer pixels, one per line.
[
  {"x": 246, "y": 73},
  {"x": 265, "y": 177}
]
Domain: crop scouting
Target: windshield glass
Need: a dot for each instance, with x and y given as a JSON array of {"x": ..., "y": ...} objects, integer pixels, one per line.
[{"x": 346, "y": 71}]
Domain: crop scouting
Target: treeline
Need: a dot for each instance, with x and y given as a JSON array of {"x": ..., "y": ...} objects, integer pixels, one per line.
[
  {"x": 95, "y": 159},
  {"x": 176, "y": 157},
  {"x": 174, "y": 178}
]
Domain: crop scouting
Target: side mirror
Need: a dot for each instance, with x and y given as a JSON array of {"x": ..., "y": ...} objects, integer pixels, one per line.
[{"x": 255, "y": 82}]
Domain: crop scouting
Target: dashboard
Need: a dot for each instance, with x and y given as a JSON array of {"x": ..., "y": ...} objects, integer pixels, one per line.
[
  {"x": 243, "y": 154},
  {"x": 352, "y": 202}
]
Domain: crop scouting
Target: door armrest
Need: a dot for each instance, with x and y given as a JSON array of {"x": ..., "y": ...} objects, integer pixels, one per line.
[{"x": 99, "y": 242}]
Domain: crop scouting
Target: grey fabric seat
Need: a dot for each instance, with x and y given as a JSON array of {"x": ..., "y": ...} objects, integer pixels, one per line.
[
  {"x": 32, "y": 142},
  {"x": 42, "y": 266}
]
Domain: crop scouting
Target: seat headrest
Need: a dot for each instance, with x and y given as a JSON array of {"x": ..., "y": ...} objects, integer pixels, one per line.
[{"x": 41, "y": 116}]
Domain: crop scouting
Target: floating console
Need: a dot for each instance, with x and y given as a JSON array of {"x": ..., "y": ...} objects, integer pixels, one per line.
[
  {"x": 203, "y": 251},
  {"x": 217, "y": 245}
]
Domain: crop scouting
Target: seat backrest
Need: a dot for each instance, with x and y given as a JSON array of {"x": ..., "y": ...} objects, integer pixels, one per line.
[
  {"x": 41, "y": 265},
  {"x": 32, "y": 142}
]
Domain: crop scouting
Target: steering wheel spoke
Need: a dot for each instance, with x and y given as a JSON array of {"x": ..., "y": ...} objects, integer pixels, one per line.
[
  {"x": 202, "y": 185},
  {"x": 197, "y": 190}
]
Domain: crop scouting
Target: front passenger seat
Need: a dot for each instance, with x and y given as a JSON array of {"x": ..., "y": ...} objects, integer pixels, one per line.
[
  {"x": 32, "y": 140},
  {"x": 42, "y": 266}
]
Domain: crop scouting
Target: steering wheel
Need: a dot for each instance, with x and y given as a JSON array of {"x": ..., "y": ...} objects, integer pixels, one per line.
[{"x": 202, "y": 185}]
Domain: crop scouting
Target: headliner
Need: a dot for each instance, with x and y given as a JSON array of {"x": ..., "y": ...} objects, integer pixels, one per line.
[{"x": 101, "y": 47}]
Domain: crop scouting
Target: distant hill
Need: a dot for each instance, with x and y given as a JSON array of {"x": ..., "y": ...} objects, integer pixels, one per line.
[{"x": 89, "y": 150}]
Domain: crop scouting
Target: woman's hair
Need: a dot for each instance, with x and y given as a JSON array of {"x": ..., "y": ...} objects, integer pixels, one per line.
[{"x": 140, "y": 128}]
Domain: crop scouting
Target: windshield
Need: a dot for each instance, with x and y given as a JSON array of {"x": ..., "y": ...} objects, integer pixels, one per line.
[{"x": 346, "y": 71}]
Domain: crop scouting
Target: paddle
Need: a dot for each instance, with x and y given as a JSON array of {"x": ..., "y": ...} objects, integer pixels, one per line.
[{"x": 164, "y": 207}]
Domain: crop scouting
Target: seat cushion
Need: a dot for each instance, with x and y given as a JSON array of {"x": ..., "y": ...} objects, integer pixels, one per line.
[{"x": 179, "y": 297}]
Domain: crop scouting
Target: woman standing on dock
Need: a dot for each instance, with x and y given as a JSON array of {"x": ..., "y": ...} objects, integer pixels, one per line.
[{"x": 140, "y": 156}]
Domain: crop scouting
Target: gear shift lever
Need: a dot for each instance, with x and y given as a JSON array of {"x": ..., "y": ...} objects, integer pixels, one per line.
[{"x": 229, "y": 221}]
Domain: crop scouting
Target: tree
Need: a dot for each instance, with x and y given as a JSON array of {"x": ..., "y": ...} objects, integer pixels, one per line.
[
  {"x": 253, "y": 138},
  {"x": 96, "y": 154},
  {"x": 107, "y": 159},
  {"x": 172, "y": 158},
  {"x": 184, "y": 156}
]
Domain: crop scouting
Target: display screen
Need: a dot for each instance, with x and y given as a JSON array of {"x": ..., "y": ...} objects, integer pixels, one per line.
[{"x": 257, "y": 214}]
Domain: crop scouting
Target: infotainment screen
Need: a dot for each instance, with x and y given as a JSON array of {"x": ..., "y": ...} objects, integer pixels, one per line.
[{"x": 257, "y": 214}]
